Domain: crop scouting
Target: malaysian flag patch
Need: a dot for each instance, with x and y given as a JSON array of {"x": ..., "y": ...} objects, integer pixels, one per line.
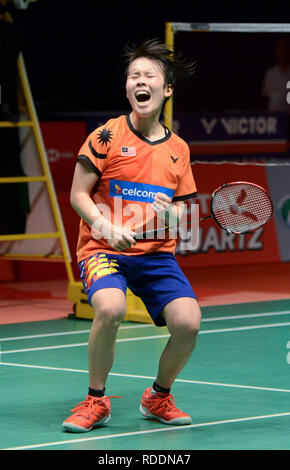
[{"x": 128, "y": 151}]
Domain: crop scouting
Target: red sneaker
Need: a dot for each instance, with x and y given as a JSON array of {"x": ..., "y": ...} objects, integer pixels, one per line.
[
  {"x": 161, "y": 406},
  {"x": 88, "y": 414}
]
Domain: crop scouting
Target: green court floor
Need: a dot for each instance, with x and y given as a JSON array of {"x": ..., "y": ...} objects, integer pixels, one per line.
[{"x": 236, "y": 387}]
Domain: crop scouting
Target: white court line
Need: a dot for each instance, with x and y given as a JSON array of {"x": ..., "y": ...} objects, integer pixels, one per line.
[
  {"x": 248, "y": 315},
  {"x": 149, "y": 325},
  {"x": 150, "y": 431},
  {"x": 64, "y": 346},
  {"x": 134, "y": 376},
  {"x": 46, "y": 335},
  {"x": 65, "y": 333},
  {"x": 244, "y": 328},
  {"x": 142, "y": 338}
]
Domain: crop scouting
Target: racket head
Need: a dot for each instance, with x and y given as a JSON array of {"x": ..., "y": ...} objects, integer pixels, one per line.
[{"x": 241, "y": 207}]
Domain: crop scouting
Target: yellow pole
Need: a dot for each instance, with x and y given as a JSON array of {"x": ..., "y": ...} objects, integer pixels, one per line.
[
  {"x": 32, "y": 256},
  {"x": 29, "y": 236},
  {"x": 16, "y": 124},
  {"x": 21, "y": 179},
  {"x": 168, "y": 109}
]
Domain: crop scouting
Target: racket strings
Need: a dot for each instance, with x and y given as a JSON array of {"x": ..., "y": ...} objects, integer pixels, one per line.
[{"x": 240, "y": 207}]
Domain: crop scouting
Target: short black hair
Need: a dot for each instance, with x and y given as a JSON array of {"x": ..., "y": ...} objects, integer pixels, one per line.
[{"x": 175, "y": 67}]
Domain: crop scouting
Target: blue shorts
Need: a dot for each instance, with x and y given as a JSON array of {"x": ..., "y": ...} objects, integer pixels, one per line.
[{"x": 156, "y": 278}]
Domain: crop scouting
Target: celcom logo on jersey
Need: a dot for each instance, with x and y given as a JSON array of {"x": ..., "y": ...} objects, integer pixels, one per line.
[{"x": 140, "y": 192}]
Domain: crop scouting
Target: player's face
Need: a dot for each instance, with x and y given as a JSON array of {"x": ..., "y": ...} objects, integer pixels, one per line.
[{"x": 146, "y": 88}]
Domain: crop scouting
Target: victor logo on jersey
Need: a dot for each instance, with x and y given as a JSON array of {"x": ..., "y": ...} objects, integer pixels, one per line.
[{"x": 140, "y": 192}]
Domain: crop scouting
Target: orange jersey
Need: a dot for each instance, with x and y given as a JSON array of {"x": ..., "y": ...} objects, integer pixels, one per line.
[{"x": 131, "y": 170}]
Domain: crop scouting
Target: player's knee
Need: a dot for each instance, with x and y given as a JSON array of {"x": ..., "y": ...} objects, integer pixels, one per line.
[
  {"x": 109, "y": 315},
  {"x": 194, "y": 320},
  {"x": 188, "y": 322},
  {"x": 187, "y": 327}
]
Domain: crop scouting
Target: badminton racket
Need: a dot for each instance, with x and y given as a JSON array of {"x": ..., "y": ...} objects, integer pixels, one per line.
[{"x": 237, "y": 207}]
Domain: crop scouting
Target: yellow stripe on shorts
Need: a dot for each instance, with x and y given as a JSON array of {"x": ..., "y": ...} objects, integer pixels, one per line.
[{"x": 101, "y": 266}]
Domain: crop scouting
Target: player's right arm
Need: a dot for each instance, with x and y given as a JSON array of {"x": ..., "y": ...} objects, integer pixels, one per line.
[{"x": 84, "y": 180}]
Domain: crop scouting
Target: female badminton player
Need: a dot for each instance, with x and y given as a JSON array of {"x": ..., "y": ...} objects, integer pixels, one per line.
[{"x": 128, "y": 172}]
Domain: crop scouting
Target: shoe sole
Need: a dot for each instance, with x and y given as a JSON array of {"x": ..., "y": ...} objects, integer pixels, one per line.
[
  {"x": 74, "y": 428},
  {"x": 176, "y": 421}
]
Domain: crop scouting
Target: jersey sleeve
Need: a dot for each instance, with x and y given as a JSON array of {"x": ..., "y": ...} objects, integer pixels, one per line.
[
  {"x": 186, "y": 188},
  {"x": 94, "y": 153}
]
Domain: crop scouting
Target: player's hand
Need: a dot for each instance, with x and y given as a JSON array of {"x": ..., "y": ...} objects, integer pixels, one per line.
[
  {"x": 161, "y": 204},
  {"x": 122, "y": 238}
]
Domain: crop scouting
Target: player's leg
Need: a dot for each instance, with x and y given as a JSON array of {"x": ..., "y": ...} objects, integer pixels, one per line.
[
  {"x": 182, "y": 318},
  {"x": 172, "y": 303},
  {"x": 105, "y": 284},
  {"x": 109, "y": 310}
]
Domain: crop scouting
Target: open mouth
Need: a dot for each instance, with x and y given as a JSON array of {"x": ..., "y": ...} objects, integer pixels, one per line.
[{"x": 142, "y": 96}]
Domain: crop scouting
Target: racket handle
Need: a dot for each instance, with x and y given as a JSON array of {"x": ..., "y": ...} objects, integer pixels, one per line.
[{"x": 152, "y": 233}]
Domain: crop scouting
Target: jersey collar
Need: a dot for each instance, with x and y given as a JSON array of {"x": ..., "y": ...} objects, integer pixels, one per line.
[{"x": 141, "y": 136}]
